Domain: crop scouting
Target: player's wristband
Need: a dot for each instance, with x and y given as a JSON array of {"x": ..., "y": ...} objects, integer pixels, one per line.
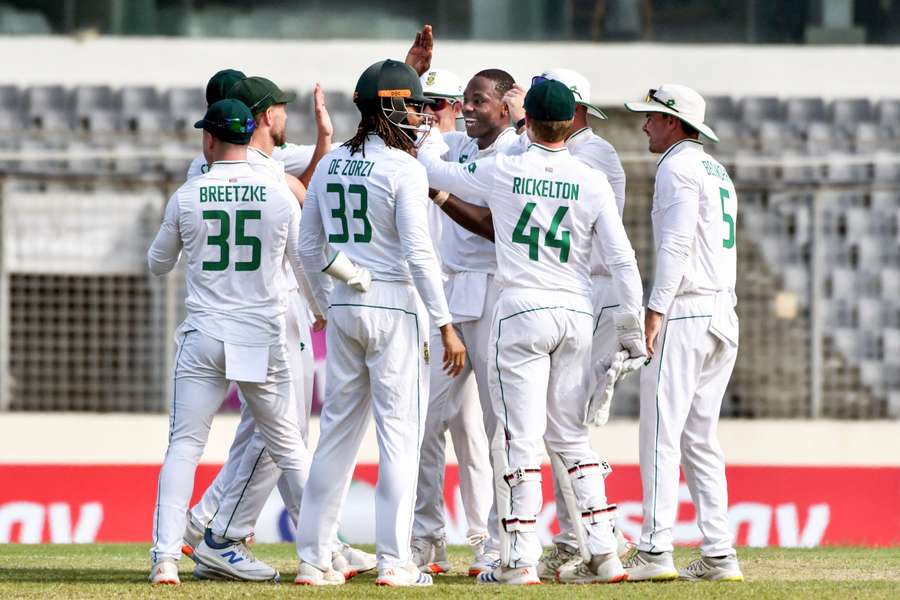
[{"x": 440, "y": 198}]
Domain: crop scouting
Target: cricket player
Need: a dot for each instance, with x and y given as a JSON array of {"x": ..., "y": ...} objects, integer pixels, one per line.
[
  {"x": 469, "y": 263},
  {"x": 368, "y": 199},
  {"x": 548, "y": 209},
  {"x": 597, "y": 153},
  {"x": 692, "y": 337},
  {"x": 243, "y": 498},
  {"x": 236, "y": 226},
  {"x": 453, "y": 404}
]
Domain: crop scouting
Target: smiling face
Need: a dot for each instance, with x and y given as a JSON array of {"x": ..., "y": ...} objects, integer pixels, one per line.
[
  {"x": 485, "y": 113},
  {"x": 662, "y": 131},
  {"x": 445, "y": 111}
]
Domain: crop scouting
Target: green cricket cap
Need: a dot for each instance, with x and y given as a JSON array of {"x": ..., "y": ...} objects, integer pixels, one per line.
[
  {"x": 228, "y": 120},
  {"x": 220, "y": 83},
  {"x": 259, "y": 93},
  {"x": 550, "y": 101}
]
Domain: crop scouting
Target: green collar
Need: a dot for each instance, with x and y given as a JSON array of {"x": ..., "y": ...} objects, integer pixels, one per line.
[
  {"x": 676, "y": 145},
  {"x": 545, "y": 148}
]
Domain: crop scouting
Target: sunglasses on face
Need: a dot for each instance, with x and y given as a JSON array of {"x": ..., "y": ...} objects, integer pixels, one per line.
[
  {"x": 651, "y": 97},
  {"x": 439, "y": 104}
]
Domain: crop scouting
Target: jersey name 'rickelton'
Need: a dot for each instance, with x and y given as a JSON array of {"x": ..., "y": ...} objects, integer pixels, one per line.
[{"x": 545, "y": 188}]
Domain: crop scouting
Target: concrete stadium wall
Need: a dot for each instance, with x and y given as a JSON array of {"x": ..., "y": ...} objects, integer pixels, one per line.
[
  {"x": 618, "y": 71},
  {"x": 84, "y": 438}
]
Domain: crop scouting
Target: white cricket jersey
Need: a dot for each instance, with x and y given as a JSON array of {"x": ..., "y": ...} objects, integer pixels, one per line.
[
  {"x": 597, "y": 153},
  {"x": 547, "y": 208},
  {"x": 694, "y": 219},
  {"x": 460, "y": 249},
  {"x": 235, "y": 225},
  {"x": 372, "y": 206}
]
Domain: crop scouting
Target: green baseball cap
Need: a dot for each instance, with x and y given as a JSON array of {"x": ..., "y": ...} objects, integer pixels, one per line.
[
  {"x": 550, "y": 101},
  {"x": 220, "y": 83},
  {"x": 259, "y": 93},
  {"x": 228, "y": 120}
]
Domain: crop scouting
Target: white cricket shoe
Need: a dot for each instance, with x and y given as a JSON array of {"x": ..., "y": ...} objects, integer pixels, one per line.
[
  {"x": 430, "y": 556},
  {"x": 510, "y": 576},
  {"x": 350, "y": 561},
  {"x": 308, "y": 574},
  {"x": 401, "y": 576},
  {"x": 707, "y": 568},
  {"x": 485, "y": 560},
  {"x": 193, "y": 535},
  {"x": 232, "y": 560},
  {"x": 602, "y": 568},
  {"x": 643, "y": 566},
  {"x": 625, "y": 547},
  {"x": 164, "y": 572},
  {"x": 554, "y": 558}
]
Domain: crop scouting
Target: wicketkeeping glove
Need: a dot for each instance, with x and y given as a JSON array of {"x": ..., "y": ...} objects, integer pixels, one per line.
[{"x": 631, "y": 335}]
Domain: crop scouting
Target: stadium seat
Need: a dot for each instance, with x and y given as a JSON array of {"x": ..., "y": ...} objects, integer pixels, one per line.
[
  {"x": 720, "y": 108},
  {"x": 846, "y": 341},
  {"x": 848, "y": 111},
  {"x": 47, "y": 108},
  {"x": 799, "y": 111},
  {"x": 887, "y": 111},
  {"x": 142, "y": 110},
  {"x": 843, "y": 283},
  {"x": 10, "y": 96},
  {"x": 185, "y": 106},
  {"x": 754, "y": 109}
]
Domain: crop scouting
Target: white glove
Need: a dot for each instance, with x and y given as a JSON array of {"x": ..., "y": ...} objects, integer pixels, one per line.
[
  {"x": 630, "y": 333},
  {"x": 343, "y": 269},
  {"x": 618, "y": 366}
]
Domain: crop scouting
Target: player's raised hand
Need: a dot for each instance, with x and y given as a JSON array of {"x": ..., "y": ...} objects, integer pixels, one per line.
[
  {"x": 454, "y": 351},
  {"x": 319, "y": 324},
  {"x": 419, "y": 55},
  {"x": 324, "y": 127},
  {"x": 515, "y": 103}
]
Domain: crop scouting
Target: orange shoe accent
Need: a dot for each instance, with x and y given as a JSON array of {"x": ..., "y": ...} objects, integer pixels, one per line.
[
  {"x": 186, "y": 550},
  {"x": 435, "y": 569}
]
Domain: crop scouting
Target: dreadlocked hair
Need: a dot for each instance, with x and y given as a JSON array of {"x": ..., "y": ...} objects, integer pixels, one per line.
[{"x": 373, "y": 121}]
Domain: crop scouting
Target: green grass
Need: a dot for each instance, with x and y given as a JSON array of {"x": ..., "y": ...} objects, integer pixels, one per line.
[{"x": 120, "y": 571}]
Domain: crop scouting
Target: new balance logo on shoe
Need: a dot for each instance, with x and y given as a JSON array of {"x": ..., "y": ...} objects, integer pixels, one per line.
[{"x": 232, "y": 557}]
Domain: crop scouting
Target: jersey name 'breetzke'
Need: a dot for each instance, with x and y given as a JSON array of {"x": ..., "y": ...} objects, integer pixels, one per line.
[
  {"x": 372, "y": 208},
  {"x": 694, "y": 220},
  {"x": 235, "y": 249},
  {"x": 547, "y": 208}
]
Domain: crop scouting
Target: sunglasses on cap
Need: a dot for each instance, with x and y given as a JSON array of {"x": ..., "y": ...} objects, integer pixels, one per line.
[
  {"x": 260, "y": 101},
  {"x": 541, "y": 79},
  {"x": 651, "y": 97},
  {"x": 235, "y": 125}
]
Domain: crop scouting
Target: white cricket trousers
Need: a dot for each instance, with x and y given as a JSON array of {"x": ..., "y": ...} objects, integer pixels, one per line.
[
  {"x": 681, "y": 394},
  {"x": 375, "y": 366},
  {"x": 240, "y": 490},
  {"x": 199, "y": 389},
  {"x": 604, "y": 301},
  {"x": 463, "y": 407},
  {"x": 539, "y": 380},
  {"x": 232, "y": 504}
]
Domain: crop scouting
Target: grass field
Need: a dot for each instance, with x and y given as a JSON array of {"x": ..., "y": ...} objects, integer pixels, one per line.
[{"x": 120, "y": 571}]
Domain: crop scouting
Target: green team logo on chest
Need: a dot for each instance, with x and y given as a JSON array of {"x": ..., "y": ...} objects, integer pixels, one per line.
[{"x": 544, "y": 188}]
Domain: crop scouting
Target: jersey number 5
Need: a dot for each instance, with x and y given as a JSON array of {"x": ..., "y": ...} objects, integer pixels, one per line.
[
  {"x": 534, "y": 234},
  {"x": 240, "y": 239},
  {"x": 340, "y": 213},
  {"x": 729, "y": 241}
]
